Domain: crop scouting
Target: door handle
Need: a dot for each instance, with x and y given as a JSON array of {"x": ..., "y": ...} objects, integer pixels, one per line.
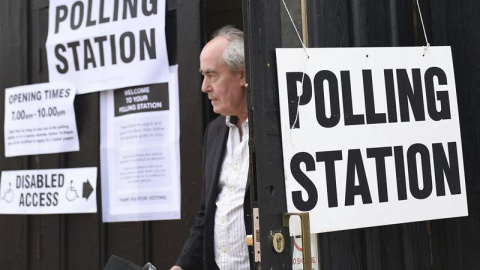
[{"x": 306, "y": 244}]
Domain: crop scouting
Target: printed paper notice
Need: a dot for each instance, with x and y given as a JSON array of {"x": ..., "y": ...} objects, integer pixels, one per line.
[
  {"x": 140, "y": 154},
  {"x": 99, "y": 45},
  {"x": 53, "y": 191},
  {"x": 370, "y": 136},
  {"x": 40, "y": 119}
]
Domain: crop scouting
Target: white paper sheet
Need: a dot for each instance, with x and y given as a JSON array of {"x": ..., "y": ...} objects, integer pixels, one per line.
[
  {"x": 140, "y": 152},
  {"x": 53, "y": 191},
  {"x": 376, "y": 137},
  {"x": 99, "y": 45},
  {"x": 40, "y": 119}
]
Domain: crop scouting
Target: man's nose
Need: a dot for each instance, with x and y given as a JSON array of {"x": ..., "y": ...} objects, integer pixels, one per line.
[{"x": 205, "y": 85}]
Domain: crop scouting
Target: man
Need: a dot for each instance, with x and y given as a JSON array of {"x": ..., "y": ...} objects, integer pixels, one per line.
[{"x": 217, "y": 239}]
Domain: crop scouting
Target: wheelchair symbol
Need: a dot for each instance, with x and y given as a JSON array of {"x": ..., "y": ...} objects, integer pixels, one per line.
[
  {"x": 71, "y": 192},
  {"x": 8, "y": 195}
]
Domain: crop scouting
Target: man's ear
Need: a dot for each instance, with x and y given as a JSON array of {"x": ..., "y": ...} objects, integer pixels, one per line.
[{"x": 243, "y": 79}]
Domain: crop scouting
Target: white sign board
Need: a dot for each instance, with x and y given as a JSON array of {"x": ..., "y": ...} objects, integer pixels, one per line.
[
  {"x": 140, "y": 152},
  {"x": 371, "y": 137},
  {"x": 40, "y": 119},
  {"x": 99, "y": 44},
  {"x": 53, "y": 191}
]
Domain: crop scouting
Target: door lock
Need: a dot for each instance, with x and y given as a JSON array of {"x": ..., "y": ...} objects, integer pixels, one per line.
[{"x": 278, "y": 242}]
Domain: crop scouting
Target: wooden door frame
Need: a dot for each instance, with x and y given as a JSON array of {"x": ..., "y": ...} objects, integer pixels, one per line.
[{"x": 262, "y": 35}]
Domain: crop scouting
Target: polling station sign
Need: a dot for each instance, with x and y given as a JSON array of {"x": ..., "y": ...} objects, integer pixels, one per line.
[
  {"x": 98, "y": 45},
  {"x": 370, "y": 136},
  {"x": 52, "y": 191}
]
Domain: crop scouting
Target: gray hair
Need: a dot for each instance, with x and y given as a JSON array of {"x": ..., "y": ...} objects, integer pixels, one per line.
[{"x": 234, "y": 54}]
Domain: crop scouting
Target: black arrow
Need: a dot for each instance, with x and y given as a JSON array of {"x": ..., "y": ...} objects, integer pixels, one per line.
[{"x": 87, "y": 190}]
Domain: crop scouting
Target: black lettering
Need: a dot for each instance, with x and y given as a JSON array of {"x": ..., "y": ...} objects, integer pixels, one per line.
[
  {"x": 348, "y": 116},
  {"x": 115, "y": 10},
  {"x": 400, "y": 173},
  {"x": 100, "y": 41},
  {"x": 40, "y": 181},
  {"x": 19, "y": 181},
  {"x": 51, "y": 93},
  {"x": 55, "y": 199},
  {"x": 293, "y": 99},
  {"x": 60, "y": 16},
  {"x": 153, "y": 7},
  {"x": 148, "y": 45},
  {"x": 35, "y": 199},
  {"x": 442, "y": 96},
  {"x": 329, "y": 157},
  {"x": 21, "y": 201},
  {"x": 318, "y": 81},
  {"x": 372, "y": 116},
  {"x": 443, "y": 168},
  {"x": 131, "y": 6},
  {"x": 412, "y": 152},
  {"x": 408, "y": 95},
  {"x": 380, "y": 154},
  {"x": 33, "y": 182},
  {"x": 28, "y": 199},
  {"x": 304, "y": 181},
  {"x": 88, "y": 56},
  {"x": 46, "y": 182},
  {"x": 90, "y": 22},
  {"x": 61, "y": 180},
  {"x": 391, "y": 100},
  {"x": 49, "y": 199},
  {"x": 77, "y": 6},
  {"x": 113, "y": 48},
  {"x": 53, "y": 180},
  {"x": 27, "y": 182},
  {"x": 355, "y": 167},
  {"x": 123, "y": 51},
  {"x": 73, "y": 46},
  {"x": 42, "y": 199},
  {"x": 63, "y": 60},
  {"x": 103, "y": 19}
]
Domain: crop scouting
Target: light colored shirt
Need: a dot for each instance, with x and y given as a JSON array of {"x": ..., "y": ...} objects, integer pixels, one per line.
[{"x": 231, "y": 252}]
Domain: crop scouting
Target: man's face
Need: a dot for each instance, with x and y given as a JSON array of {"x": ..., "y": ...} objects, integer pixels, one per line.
[{"x": 223, "y": 86}]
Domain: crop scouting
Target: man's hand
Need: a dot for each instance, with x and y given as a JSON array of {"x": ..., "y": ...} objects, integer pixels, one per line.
[{"x": 175, "y": 267}]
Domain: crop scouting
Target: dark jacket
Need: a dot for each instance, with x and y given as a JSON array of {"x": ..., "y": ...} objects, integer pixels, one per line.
[{"x": 198, "y": 251}]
